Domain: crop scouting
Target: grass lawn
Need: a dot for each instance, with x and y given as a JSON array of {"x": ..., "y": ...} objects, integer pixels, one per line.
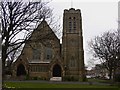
[
  {"x": 51, "y": 85},
  {"x": 99, "y": 80}
]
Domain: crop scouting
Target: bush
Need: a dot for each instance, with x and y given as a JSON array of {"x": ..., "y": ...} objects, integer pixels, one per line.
[
  {"x": 84, "y": 79},
  {"x": 27, "y": 77},
  {"x": 39, "y": 78},
  {"x": 117, "y": 77},
  {"x": 35, "y": 78},
  {"x": 8, "y": 73},
  {"x": 65, "y": 78},
  {"x": 70, "y": 78}
]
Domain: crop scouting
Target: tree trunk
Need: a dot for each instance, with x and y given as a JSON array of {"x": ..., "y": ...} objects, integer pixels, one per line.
[
  {"x": 110, "y": 74},
  {"x": 4, "y": 56},
  {"x": 114, "y": 74}
]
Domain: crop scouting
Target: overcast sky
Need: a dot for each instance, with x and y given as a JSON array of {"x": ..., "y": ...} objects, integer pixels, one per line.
[{"x": 97, "y": 17}]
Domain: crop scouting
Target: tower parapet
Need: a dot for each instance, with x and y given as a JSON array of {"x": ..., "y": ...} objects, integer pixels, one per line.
[{"x": 72, "y": 10}]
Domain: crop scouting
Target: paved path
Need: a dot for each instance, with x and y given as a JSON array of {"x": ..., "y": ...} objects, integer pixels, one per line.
[{"x": 63, "y": 82}]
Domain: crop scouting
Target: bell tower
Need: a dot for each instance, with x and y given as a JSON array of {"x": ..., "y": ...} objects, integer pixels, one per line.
[{"x": 72, "y": 47}]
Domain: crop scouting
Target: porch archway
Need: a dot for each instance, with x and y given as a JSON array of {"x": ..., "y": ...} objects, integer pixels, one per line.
[
  {"x": 21, "y": 70},
  {"x": 57, "y": 71}
]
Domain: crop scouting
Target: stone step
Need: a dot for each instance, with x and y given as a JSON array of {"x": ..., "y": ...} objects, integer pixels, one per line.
[{"x": 56, "y": 79}]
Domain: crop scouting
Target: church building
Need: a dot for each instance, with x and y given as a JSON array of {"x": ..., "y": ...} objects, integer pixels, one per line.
[{"x": 44, "y": 57}]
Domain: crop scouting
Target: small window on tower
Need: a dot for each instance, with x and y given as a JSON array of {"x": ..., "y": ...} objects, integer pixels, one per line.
[
  {"x": 70, "y": 26},
  {"x": 74, "y": 25},
  {"x": 74, "y": 18},
  {"x": 69, "y": 17}
]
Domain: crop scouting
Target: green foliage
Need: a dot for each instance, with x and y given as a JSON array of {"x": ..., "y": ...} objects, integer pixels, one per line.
[
  {"x": 98, "y": 80},
  {"x": 84, "y": 79},
  {"x": 117, "y": 77},
  {"x": 39, "y": 78},
  {"x": 27, "y": 77},
  {"x": 8, "y": 72},
  {"x": 70, "y": 78},
  {"x": 35, "y": 78}
]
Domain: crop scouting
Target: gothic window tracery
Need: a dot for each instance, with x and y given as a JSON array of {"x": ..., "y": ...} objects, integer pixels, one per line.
[
  {"x": 36, "y": 54},
  {"x": 36, "y": 50},
  {"x": 48, "y": 53}
]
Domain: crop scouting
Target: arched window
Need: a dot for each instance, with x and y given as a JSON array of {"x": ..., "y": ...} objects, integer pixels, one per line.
[
  {"x": 36, "y": 54},
  {"x": 48, "y": 53}
]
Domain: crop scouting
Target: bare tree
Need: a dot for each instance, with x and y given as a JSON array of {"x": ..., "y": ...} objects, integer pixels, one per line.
[
  {"x": 107, "y": 48},
  {"x": 18, "y": 20},
  {"x": 14, "y": 55}
]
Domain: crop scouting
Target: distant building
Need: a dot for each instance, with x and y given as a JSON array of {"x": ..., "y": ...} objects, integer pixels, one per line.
[{"x": 44, "y": 57}]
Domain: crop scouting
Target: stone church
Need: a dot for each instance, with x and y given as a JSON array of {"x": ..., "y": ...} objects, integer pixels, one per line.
[{"x": 44, "y": 57}]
